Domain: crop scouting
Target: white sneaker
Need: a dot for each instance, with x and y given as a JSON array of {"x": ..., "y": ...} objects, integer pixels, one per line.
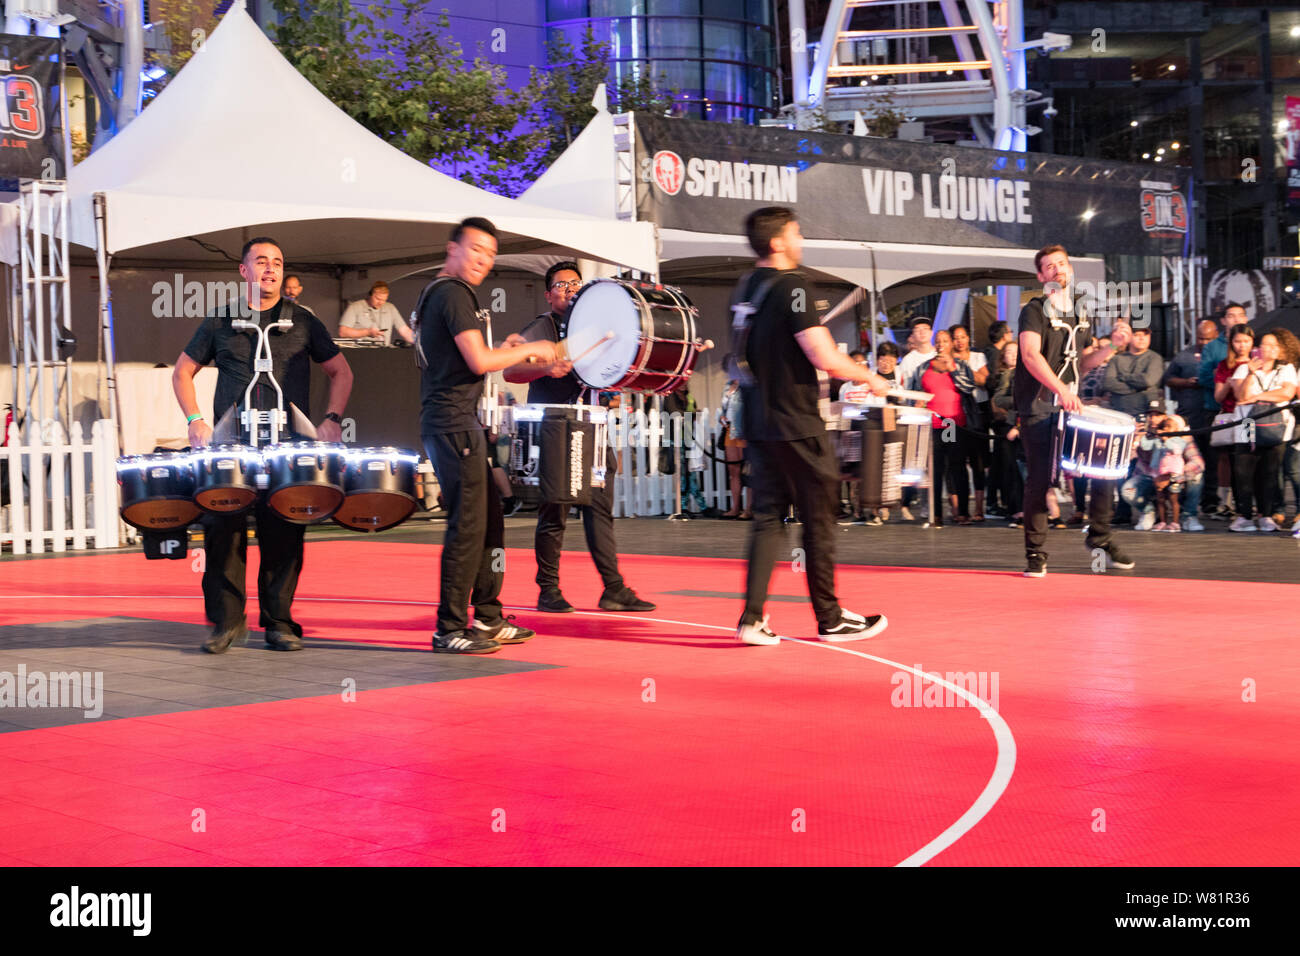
[
  {"x": 854, "y": 627},
  {"x": 1295, "y": 533},
  {"x": 1192, "y": 523},
  {"x": 757, "y": 633},
  {"x": 1266, "y": 524},
  {"x": 1146, "y": 522},
  {"x": 1241, "y": 524}
]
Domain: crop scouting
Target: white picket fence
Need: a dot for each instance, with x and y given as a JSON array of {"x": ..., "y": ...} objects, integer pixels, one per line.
[
  {"x": 61, "y": 489},
  {"x": 639, "y": 437}
]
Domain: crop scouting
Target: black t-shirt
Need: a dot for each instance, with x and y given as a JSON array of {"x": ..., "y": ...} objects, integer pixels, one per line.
[
  {"x": 783, "y": 404},
  {"x": 547, "y": 390},
  {"x": 233, "y": 351},
  {"x": 449, "y": 391},
  {"x": 1034, "y": 401}
]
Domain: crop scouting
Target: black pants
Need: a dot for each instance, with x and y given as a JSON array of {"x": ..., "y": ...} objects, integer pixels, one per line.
[
  {"x": 1007, "y": 468},
  {"x": 800, "y": 472},
  {"x": 1037, "y": 437},
  {"x": 946, "y": 453},
  {"x": 473, "y": 548},
  {"x": 597, "y": 523},
  {"x": 1210, "y": 491},
  {"x": 972, "y": 449},
  {"x": 225, "y": 545},
  {"x": 1257, "y": 480}
]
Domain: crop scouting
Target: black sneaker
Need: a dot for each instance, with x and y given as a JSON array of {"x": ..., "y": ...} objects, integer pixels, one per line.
[
  {"x": 220, "y": 641},
  {"x": 1118, "y": 558},
  {"x": 281, "y": 641},
  {"x": 853, "y": 627},
  {"x": 463, "y": 642},
  {"x": 505, "y": 631},
  {"x": 552, "y": 600},
  {"x": 510, "y": 506},
  {"x": 1223, "y": 514},
  {"x": 624, "y": 600},
  {"x": 1036, "y": 565}
]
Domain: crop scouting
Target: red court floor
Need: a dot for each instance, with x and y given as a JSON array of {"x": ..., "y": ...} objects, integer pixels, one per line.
[{"x": 1120, "y": 734}]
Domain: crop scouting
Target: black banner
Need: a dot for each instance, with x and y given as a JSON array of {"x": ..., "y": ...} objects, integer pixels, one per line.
[
  {"x": 31, "y": 129},
  {"x": 706, "y": 177}
]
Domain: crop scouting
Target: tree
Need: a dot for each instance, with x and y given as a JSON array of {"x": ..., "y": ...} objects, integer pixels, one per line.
[
  {"x": 411, "y": 87},
  {"x": 565, "y": 91}
]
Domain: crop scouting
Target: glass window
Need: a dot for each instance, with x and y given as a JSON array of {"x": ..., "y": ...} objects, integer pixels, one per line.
[
  {"x": 674, "y": 37},
  {"x": 759, "y": 11},
  {"x": 565, "y": 9},
  {"x": 617, "y": 8},
  {"x": 726, "y": 41},
  {"x": 672, "y": 6}
]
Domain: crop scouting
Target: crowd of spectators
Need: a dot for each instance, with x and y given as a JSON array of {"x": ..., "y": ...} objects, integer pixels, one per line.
[{"x": 1222, "y": 447}]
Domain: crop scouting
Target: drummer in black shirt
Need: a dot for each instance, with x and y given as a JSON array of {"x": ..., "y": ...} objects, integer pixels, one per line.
[
  {"x": 232, "y": 350},
  {"x": 454, "y": 360},
  {"x": 557, "y": 384},
  {"x": 782, "y": 346},
  {"x": 1054, "y": 330}
]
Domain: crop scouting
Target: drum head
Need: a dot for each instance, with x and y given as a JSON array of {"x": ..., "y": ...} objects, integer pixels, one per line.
[
  {"x": 305, "y": 504},
  {"x": 225, "y": 500},
  {"x": 374, "y": 510},
  {"x": 602, "y": 307},
  {"x": 160, "y": 514}
]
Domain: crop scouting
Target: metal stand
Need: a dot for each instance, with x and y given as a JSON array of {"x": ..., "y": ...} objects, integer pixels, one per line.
[{"x": 43, "y": 342}]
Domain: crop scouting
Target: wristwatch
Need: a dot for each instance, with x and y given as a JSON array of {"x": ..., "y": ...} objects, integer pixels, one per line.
[{"x": 334, "y": 417}]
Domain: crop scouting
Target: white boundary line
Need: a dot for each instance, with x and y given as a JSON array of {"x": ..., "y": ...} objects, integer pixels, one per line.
[{"x": 1003, "y": 767}]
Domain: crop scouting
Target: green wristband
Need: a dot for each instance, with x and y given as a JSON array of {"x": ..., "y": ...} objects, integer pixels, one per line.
[{"x": 193, "y": 418}]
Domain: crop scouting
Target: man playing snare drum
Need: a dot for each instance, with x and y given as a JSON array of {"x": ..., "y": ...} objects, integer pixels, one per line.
[
  {"x": 1053, "y": 332},
  {"x": 232, "y": 350}
]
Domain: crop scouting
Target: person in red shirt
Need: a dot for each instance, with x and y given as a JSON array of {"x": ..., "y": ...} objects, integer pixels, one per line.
[{"x": 947, "y": 418}]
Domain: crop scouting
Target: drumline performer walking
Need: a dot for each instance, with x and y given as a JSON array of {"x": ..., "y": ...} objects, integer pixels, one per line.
[
  {"x": 279, "y": 542},
  {"x": 452, "y": 350},
  {"x": 779, "y": 344},
  {"x": 1053, "y": 330},
  {"x": 557, "y": 384}
]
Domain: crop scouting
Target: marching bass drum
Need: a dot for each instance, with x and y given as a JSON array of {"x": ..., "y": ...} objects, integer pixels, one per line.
[
  {"x": 157, "y": 491},
  {"x": 378, "y": 488},
  {"x": 228, "y": 478},
  {"x": 653, "y": 348},
  {"x": 304, "y": 480}
]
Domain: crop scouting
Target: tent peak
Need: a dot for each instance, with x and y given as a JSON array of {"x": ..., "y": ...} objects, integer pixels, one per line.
[{"x": 600, "y": 100}]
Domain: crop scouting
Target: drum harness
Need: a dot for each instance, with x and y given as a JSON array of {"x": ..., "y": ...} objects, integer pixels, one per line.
[{"x": 252, "y": 418}]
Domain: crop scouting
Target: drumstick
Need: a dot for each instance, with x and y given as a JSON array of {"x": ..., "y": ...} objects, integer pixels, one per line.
[
  {"x": 599, "y": 342},
  {"x": 563, "y": 345}
]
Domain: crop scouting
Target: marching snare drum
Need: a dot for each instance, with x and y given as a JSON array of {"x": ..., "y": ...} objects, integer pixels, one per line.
[
  {"x": 379, "y": 489},
  {"x": 304, "y": 480},
  {"x": 228, "y": 478},
  {"x": 157, "y": 491},
  {"x": 653, "y": 347},
  {"x": 1093, "y": 443}
]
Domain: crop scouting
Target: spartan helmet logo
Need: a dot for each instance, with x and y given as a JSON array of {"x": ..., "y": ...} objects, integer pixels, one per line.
[{"x": 669, "y": 171}]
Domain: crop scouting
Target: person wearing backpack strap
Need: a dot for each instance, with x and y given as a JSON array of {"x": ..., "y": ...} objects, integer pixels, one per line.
[
  {"x": 454, "y": 358},
  {"x": 779, "y": 344}
]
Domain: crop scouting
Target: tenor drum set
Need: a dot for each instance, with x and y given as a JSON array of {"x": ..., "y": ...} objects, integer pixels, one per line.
[{"x": 362, "y": 489}]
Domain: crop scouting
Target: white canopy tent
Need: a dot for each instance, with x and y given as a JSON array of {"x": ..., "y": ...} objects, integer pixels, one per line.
[{"x": 206, "y": 167}]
